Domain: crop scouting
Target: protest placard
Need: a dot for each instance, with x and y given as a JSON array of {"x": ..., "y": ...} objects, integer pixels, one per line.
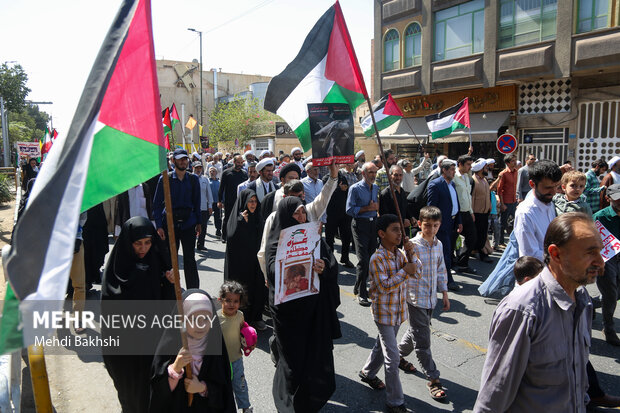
[
  {"x": 611, "y": 244},
  {"x": 331, "y": 129},
  {"x": 28, "y": 149},
  {"x": 298, "y": 249}
]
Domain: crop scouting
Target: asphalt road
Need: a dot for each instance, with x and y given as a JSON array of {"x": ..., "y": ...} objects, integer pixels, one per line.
[{"x": 459, "y": 344}]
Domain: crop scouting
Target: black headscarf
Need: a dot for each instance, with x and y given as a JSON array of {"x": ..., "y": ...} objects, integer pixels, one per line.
[
  {"x": 215, "y": 371},
  {"x": 127, "y": 277},
  {"x": 254, "y": 218}
]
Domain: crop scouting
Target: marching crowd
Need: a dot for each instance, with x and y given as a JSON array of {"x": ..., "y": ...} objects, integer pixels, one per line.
[{"x": 452, "y": 211}]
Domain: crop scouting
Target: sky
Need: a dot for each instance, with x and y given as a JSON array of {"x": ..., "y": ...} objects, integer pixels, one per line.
[{"x": 56, "y": 42}]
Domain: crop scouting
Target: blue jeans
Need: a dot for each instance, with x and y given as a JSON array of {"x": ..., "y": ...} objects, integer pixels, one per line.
[{"x": 240, "y": 386}]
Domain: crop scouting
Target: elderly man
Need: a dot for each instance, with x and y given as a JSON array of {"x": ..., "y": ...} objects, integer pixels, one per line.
[
  {"x": 264, "y": 184},
  {"x": 523, "y": 178},
  {"x": 540, "y": 334},
  {"x": 386, "y": 202},
  {"x": 410, "y": 172},
  {"x": 362, "y": 205}
]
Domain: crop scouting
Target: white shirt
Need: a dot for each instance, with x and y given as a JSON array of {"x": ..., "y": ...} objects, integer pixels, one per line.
[
  {"x": 531, "y": 222},
  {"x": 314, "y": 210},
  {"x": 243, "y": 185},
  {"x": 206, "y": 197},
  {"x": 455, "y": 199}
]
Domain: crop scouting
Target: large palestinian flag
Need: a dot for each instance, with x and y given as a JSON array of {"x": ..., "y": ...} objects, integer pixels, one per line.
[
  {"x": 325, "y": 71},
  {"x": 444, "y": 123},
  {"x": 117, "y": 121},
  {"x": 386, "y": 113}
]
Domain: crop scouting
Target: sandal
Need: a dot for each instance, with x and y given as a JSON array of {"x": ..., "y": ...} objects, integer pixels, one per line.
[
  {"x": 405, "y": 366},
  {"x": 375, "y": 382},
  {"x": 436, "y": 390}
]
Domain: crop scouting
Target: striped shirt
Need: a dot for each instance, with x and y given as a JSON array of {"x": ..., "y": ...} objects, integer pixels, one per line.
[
  {"x": 388, "y": 286},
  {"x": 422, "y": 291}
]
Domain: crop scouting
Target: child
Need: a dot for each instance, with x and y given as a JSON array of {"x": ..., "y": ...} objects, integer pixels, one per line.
[
  {"x": 389, "y": 270},
  {"x": 422, "y": 297},
  {"x": 573, "y": 185},
  {"x": 231, "y": 297},
  {"x": 527, "y": 268},
  {"x": 210, "y": 383}
]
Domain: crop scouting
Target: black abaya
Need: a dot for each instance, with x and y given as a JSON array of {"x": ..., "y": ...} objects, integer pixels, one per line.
[
  {"x": 305, "y": 378},
  {"x": 95, "y": 239},
  {"x": 215, "y": 372},
  {"x": 241, "y": 263},
  {"x": 127, "y": 277}
]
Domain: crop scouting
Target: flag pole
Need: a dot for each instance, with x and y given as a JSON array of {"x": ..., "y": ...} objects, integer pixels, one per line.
[
  {"x": 382, "y": 155},
  {"x": 175, "y": 269}
]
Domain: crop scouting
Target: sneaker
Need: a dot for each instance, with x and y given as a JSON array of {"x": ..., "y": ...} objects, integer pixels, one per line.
[
  {"x": 364, "y": 302},
  {"x": 260, "y": 325}
]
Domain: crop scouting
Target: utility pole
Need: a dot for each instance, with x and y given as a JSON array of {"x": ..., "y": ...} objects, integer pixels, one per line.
[
  {"x": 201, "y": 107},
  {"x": 5, "y": 134}
]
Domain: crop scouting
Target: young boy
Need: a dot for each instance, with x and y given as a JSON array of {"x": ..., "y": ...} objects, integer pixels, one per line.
[
  {"x": 572, "y": 200},
  {"x": 422, "y": 297},
  {"x": 388, "y": 272},
  {"x": 527, "y": 268}
]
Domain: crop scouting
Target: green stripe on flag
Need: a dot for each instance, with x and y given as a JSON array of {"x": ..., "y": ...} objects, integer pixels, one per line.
[
  {"x": 382, "y": 124},
  {"x": 336, "y": 94},
  {"x": 107, "y": 177},
  {"x": 11, "y": 338},
  {"x": 445, "y": 132}
]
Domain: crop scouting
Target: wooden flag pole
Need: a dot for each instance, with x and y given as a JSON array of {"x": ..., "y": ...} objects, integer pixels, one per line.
[
  {"x": 175, "y": 269},
  {"x": 400, "y": 218}
]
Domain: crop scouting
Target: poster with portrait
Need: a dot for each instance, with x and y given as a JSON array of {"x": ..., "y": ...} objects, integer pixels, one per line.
[
  {"x": 298, "y": 249},
  {"x": 331, "y": 130}
]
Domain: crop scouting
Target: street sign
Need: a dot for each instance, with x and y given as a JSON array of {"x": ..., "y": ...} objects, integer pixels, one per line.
[{"x": 506, "y": 144}]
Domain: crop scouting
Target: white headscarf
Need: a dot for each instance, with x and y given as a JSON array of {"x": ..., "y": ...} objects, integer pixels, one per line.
[{"x": 193, "y": 303}]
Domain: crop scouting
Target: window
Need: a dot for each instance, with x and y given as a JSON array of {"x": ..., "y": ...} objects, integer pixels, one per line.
[
  {"x": 459, "y": 30},
  {"x": 592, "y": 15},
  {"x": 413, "y": 45},
  {"x": 391, "y": 50},
  {"x": 526, "y": 21}
]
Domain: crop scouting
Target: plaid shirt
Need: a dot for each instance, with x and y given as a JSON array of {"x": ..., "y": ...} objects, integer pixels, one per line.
[
  {"x": 388, "y": 287},
  {"x": 422, "y": 291},
  {"x": 382, "y": 179},
  {"x": 592, "y": 191}
]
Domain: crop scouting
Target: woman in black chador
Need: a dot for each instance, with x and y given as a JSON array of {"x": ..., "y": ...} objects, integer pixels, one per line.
[
  {"x": 305, "y": 327},
  {"x": 244, "y": 231},
  {"x": 211, "y": 384},
  {"x": 138, "y": 269}
]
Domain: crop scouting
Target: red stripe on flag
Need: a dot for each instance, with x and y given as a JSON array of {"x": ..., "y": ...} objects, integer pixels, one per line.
[
  {"x": 462, "y": 115},
  {"x": 173, "y": 113},
  {"x": 131, "y": 103},
  {"x": 342, "y": 66},
  {"x": 391, "y": 108}
]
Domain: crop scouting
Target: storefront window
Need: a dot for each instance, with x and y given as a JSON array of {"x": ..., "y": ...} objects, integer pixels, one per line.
[
  {"x": 459, "y": 30},
  {"x": 391, "y": 51},
  {"x": 593, "y": 15},
  {"x": 526, "y": 21},
  {"x": 413, "y": 45}
]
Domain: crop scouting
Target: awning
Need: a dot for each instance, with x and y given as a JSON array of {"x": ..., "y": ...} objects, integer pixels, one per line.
[{"x": 483, "y": 129}]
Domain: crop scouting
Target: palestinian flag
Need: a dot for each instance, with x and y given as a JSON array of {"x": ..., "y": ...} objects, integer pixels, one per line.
[
  {"x": 444, "y": 123},
  {"x": 167, "y": 125},
  {"x": 54, "y": 134},
  {"x": 325, "y": 71},
  {"x": 116, "y": 122},
  {"x": 174, "y": 116},
  {"x": 386, "y": 113},
  {"x": 47, "y": 142}
]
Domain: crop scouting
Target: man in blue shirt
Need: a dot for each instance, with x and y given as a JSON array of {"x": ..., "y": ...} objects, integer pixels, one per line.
[
  {"x": 185, "y": 195},
  {"x": 362, "y": 206},
  {"x": 217, "y": 212}
]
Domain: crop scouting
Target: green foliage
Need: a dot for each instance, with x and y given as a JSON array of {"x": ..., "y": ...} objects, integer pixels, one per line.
[
  {"x": 13, "y": 86},
  {"x": 27, "y": 125},
  {"x": 240, "y": 119},
  {"x": 5, "y": 193}
]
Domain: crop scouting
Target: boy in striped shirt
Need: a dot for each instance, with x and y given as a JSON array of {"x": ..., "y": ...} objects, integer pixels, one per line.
[
  {"x": 422, "y": 297},
  {"x": 389, "y": 271}
]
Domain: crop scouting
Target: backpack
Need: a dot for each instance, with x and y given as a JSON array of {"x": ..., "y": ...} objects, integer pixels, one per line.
[{"x": 418, "y": 198}]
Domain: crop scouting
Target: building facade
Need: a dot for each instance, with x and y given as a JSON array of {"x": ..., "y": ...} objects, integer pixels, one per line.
[{"x": 545, "y": 71}]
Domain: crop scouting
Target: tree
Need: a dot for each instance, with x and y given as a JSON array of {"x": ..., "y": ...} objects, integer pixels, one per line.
[
  {"x": 13, "y": 86},
  {"x": 240, "y": 119}
]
